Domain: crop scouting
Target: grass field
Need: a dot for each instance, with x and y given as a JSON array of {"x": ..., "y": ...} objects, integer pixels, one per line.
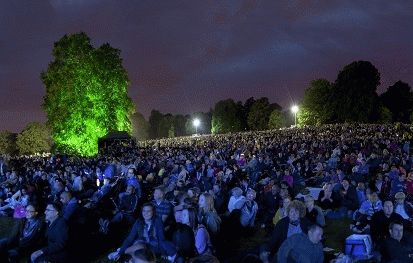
[{"x": 335, "y": 233}]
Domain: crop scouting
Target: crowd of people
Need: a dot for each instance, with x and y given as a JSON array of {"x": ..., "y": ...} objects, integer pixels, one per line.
[{"x": 191, "y": 199}]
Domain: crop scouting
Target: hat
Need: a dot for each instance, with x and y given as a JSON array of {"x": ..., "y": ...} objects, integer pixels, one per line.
[{"x": 400, "y": 195}]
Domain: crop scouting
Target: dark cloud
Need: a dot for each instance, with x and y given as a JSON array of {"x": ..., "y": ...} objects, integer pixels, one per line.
[{"x": 183, "y": 56}]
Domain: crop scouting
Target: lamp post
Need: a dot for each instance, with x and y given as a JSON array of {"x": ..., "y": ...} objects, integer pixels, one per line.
[
  {"x": 294, "y": 109},
  {"x": 196, "y": 123}
]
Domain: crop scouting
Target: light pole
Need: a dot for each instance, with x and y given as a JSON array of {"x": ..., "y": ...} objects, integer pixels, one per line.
[
  {"x": 196, "y": 123},
  {"x": 294, "y": 109}
]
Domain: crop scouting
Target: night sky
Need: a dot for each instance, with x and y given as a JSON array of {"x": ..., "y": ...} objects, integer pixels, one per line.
[{"x": 184, "y": 56}]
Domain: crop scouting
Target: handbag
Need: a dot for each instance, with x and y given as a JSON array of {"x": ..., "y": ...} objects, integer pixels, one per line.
[{"x": 19, "y": 212}]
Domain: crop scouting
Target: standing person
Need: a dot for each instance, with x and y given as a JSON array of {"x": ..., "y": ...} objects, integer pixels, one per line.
[
  {"x": 303, "y": 247},
  {"x": 25, "y": 239},
  {"x": 56, "y": 234}
]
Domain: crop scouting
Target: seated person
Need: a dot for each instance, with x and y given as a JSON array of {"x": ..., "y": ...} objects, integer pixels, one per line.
[
  {"x": 327, "y": 198},
  {"x": 394, "y": 248},
  {"x": 313, "y": 212},
  {"x": 282, "y": 211},
  {"x": 149, "y": 231},
  {"x": 56, "y": 234},
  {"x": 294, "y": 223},
  {"x": 380, "y": 222},
  {"x": 26, "y": 238},
  {"x": 404, "y": 209},
  {"x": 128, "y": 201},
  {"x": 362, "y": 216}
]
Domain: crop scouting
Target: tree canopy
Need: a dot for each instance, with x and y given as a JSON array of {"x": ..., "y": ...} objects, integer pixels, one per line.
[
  {"x": 86, "y": 94},
  {"x": 399, "y": 100},
  {"x": 354, "y": 93},
  {"x": 316, "y": 105},
  {"x": 140, "y": 127},
  {"x": 259, "y": 114},
  {"x": 35, "y": 138},
  {"x": 225, "y": 117}
]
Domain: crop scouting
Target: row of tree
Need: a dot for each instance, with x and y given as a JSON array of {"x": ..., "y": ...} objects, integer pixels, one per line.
[
  {"x": 353, "y": 97},
  {"x": 227, "y": 116}
]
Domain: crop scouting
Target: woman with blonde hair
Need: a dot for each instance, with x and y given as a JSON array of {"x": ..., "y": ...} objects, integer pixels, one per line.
[{"x": 207, "y": 215}]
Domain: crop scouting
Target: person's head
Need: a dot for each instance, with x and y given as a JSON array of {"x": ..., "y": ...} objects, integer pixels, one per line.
[
  {"x": 396, "y": 230},
  {"x": 130, "y": 189},
  {"x": 309, "y": 201},
  {"x": 345, "y": 183},
  {"x": 65, "y": 197},
  {"x": 388, "y": 208},
  {"x": 206, "y": 202},
  {"x": 286, "y": 202},
  {"x": 148, "y": 211},
  {"x": 295, "y": 210},
  {"x": 31, "y": 211},
  {"x": 315, "y": 234},
  {"x": 373, "y": 197},
  {"x": 158, "y": 194},
  {"x": 189, "y": 217},
  {"x": 236, "y": 192},
  {"x": 360, "y": 186},
  {"x": 52, "y": 211},
  {"x": 275, "y": 189},
  {"x": 131, "y": 172},
  {"x": 328, "y": 187},
  {"x": 251, "y": 194},
  {"x": 399, "y": 197}
]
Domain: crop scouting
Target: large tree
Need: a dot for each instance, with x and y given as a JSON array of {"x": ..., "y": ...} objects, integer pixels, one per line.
[
  {"x": 259, "y": 114},
  {"x": 354, "y": 93},
  {"x": 399, "y": 100},
  {"x": 7, "y": 142},
  {"x": 276, "y": 120},
  {"x": 86, "y": 94},
  {"x": 154, "y": 121},
  {"x": 140, "y": 127},
  {"x": 316, "y": 107},
  {"x": 225, "y": 117},
  {"x": 35, "y": 138}
]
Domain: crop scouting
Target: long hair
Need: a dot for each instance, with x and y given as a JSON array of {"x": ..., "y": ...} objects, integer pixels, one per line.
[{"x": 209, "y": 203}]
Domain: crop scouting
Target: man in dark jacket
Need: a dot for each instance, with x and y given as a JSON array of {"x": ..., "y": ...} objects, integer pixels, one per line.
[
  {"x": 56, "y": 234},
  {"x": 380, "y": 221},
  {"x": 394, "y": 247}
]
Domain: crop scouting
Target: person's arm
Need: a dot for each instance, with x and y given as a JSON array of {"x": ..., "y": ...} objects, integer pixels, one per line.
[
  {"x": 133, "y": 235},
  {"x": 320, "y": 217}
]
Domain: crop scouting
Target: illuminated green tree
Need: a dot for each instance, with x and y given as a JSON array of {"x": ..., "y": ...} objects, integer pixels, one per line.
[{"x": 86, "y": 94}]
